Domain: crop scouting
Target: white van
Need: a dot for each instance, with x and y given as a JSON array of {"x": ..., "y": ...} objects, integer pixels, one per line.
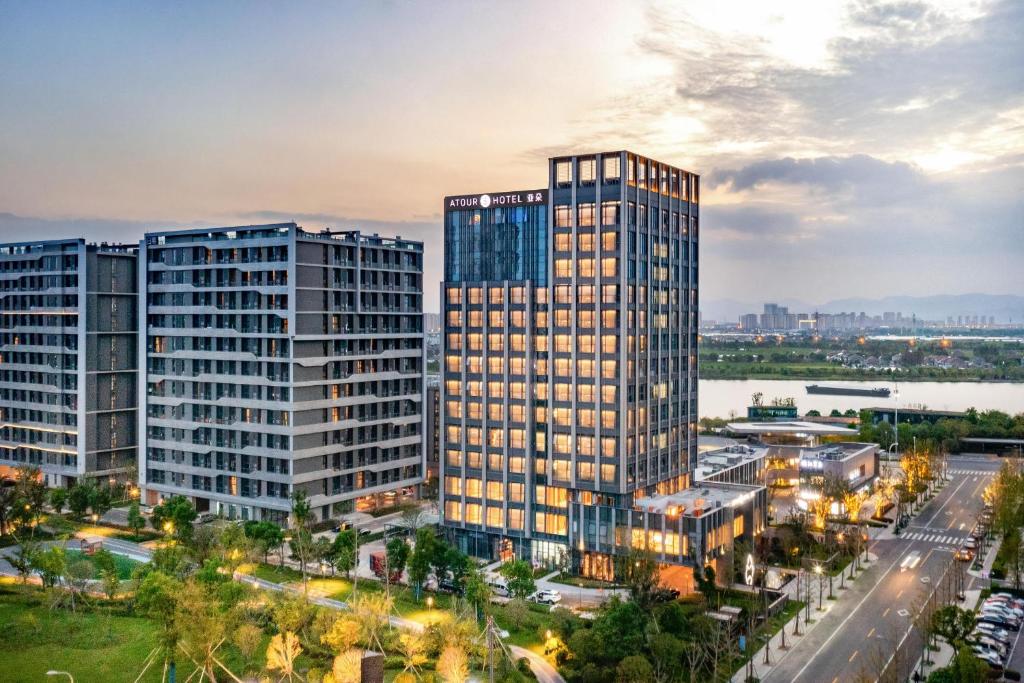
[{"x": 498, "y": 585}]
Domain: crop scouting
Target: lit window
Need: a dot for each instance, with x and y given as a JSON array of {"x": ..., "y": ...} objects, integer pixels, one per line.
[
  {"x": 563, "y": 268},
  {"x": 496, "y": 318},
  {"x": 585, "y": 393},
  {"x": 585, "y": 241},
  {"x": 496, "y": 295},
  {"x": 515, "y": 519},
  {"x": 609, "y": 267},
  {"x": 494, "y": 490},
  {"x": 473, "y": 513},
  {"x": 585, "y": 215},
  {"x": 563, "y": 173},
  {"x": 608, "y": 393},
  {"x": 454, "y": 295},
  {"x": 585, "y": 471},
  {"x": 563, "y": 241},
  {"x": 475, "y": 295},
  {"x": 610, "y": 213},
  {"x": 563, "y": 216},
  {"x": 563, "y": 294},
  {"x": 585, "y": 294},
  {"x": 588, "y": 171},
  {"x": 476, "y": 318},
  {"x": 453, "y": 511},
  {"x": 585, "y": 319},
  {"x": 612, "y": 172},
  {"x": 609, "y": 240},
  {"x": 585, "y": 367},
  {"x": 585, "y": 343},
  {"x": 473, "y": 488},
  {"x": 610, "y": 318}
]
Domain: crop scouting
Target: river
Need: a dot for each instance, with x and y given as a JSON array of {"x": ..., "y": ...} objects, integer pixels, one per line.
[{"x": 730, "y": 397}]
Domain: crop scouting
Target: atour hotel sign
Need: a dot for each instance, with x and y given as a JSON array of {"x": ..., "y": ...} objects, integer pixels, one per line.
[{"x": 497, "y": 199}]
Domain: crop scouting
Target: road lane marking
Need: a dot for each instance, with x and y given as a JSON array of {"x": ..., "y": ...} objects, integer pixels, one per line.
[
  {"x": 850, "y": 615},
  {"x": 952, "y": 496},
  {"x": 886, "y": 612},
  {"x": 899, "y": 594},
  {"x": 853, "y": 656},
  {"x": 872, "y": 631}
]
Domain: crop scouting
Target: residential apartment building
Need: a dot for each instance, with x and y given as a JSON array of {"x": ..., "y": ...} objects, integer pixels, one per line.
[
  {"x": 569, "y": 389},
  {"x": 279, "y": 360},
  {"x": 68, "y": 364}
]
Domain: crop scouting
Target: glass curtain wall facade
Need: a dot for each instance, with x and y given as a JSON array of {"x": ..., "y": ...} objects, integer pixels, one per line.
[
  {"x": 569, "y": 397},
  {"x": 280, "y": 360},
  {"x": 68, "y": 370}
]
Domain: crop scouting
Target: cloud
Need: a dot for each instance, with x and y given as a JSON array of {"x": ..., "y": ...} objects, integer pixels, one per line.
[{"x": 828, "y": 173}]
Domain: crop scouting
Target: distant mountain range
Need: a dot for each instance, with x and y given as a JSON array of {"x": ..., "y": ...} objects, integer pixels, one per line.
[{"x": 1005, "y": 307}]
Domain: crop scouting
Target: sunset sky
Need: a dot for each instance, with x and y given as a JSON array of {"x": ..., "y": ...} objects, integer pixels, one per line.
[{"x": 846, "y": 149}]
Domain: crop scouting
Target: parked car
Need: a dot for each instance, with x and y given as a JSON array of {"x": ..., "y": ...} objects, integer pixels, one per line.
[
  {"x": 971, "y": 544},
  {"x": 989, "y": 656},
  {"x": 448, "y": 586},
  {"x": 546, "y": 597},
  {"x": 1000, "y": 636},
  {"x": 999, "y": 622},
  {"x": 999, "y": 633},
  {"x": 662, "y": 594},
  {"x": 1005, "y": 605},
  {"x": 992, "y": 644}
]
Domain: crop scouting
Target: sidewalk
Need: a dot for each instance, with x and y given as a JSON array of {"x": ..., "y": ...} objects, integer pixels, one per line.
[
  {"x": 776, "y": 654},
  {"x": 946, "y": 652}
]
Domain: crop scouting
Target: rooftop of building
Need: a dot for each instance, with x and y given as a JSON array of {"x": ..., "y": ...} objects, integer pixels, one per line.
[
  {"x": 271, "y": 230},
  {"x": 695, "y": 501},
  {"x": 18, "y": 248},
  {"x": 917, "y": 411},
  {"x": 793, "y": 427},
  {"x": 712, "y": 462},
  {"x": 838, "y": 452}
]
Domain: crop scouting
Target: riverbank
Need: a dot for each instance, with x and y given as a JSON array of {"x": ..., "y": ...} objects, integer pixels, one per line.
[
  {"x": 729, "y": 398},
  {"x": 825, "y": 374}
]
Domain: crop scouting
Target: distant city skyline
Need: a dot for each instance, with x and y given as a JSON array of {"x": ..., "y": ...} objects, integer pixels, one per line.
[{"x": 848, "y": 150}]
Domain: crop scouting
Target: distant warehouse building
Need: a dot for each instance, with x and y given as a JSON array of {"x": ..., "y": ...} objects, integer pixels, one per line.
[{"x": 68, "y": 366}]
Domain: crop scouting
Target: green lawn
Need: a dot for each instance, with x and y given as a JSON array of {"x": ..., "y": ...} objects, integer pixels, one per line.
[
  {"x": 125, "y": 566},
  {"x": 91, "y": 646}
]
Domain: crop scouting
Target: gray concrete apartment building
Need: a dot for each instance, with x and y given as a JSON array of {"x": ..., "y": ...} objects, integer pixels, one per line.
[
  {"x": 68, "y": 364},
  {"x": 276, "y": 360}
]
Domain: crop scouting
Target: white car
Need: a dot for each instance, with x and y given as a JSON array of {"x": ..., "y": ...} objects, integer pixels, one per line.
[
  {"x": 546, "y": 597},
  {"x": 988, "y": 655},
  {"x": 986, "y": 629}
]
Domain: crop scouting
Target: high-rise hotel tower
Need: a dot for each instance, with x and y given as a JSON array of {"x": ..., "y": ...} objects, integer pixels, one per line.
[
  {"x": 570, "y": 360},
  {"x": 278, "y": 360},
  {"x": 68, "y": 366}
]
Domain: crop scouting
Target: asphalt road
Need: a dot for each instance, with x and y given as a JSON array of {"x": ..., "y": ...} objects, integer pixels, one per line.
[{"x": 858, "y": 635}]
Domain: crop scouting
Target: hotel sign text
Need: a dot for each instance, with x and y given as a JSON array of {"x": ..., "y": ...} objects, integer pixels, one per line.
[{"x": 486, "y": 201}]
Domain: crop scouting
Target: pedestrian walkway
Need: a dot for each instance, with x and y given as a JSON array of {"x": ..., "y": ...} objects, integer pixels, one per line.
[
  {"x": 973, "y": 472},
  {"x": 933, "y": 537}
]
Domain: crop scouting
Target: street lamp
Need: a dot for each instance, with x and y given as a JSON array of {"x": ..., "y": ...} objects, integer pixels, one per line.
[
  {"x": 53, "y": 672},
  {"x": 430, "y": 602}
]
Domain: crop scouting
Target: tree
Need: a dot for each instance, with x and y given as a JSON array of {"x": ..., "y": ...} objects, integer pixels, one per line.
[
  {"x": 22, "y": 560},
  {"x": 412, "y": 519},
  {"x": 107, "y": 567},
  {"x": 953, "y": 624},
  {"x": 78, "y": 499},
  {"x": 51, "y": 565},
  {"x": 58, "y": 498},
  {"x": 419, "y": 561},
  {"x": 398, "y": 556},
  {"x": 519, "y": 576},
  {"x": 453, "y": 665},
  {"x": 634, "y": 669},
  {"x": 174, "y": 517},
  {"x": 667, "y": 653},
  {"x": 99, "y": 500},
  {"x": 477, "y": 591},
  {"x": 265, "y": 536},
  {"x": 282, "y": 653},
  {"x": 32, "y": 494},
  {"x": 135, "y": 519},
  {"x": 156, "y": 597},
  {"x": 343, "y": 550},
  {"x": 638, "y": 570},
  {"x": 302, "y": 539},
  {"x": 77, "y": 574}
]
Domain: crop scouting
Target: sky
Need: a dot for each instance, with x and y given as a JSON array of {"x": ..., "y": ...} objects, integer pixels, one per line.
[{"x": 846, "y": 149}]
